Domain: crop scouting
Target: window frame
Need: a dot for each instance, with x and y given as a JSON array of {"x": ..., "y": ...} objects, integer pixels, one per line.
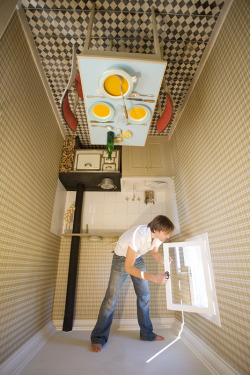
[
  {"x": 183, "y": 307},
  {"x": 212, "y": 312}
]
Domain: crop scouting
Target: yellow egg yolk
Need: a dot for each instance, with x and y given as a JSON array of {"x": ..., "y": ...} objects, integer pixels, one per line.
[
  {"x": 112, "y": 85},
  {"x": 137, "y": 113},
  {"x": 101, "y": 110}
]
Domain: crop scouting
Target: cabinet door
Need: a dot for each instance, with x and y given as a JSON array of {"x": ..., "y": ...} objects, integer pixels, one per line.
[
  {"x": 134, "y": 161},
  {"x": 151, "y": 160},
  {"x": 156, "y": 157}
]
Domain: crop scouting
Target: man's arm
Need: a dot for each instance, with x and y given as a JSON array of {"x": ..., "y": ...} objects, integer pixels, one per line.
[
  {"x": 129, "y": 268},
  {"x": 155, "y": 254}
]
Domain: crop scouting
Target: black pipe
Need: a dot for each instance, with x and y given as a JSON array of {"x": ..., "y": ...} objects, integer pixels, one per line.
[{"x": 73, "y": 262}]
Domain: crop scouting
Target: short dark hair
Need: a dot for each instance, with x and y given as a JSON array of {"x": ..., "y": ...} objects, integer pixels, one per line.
[{"x": 161, "y": 223}]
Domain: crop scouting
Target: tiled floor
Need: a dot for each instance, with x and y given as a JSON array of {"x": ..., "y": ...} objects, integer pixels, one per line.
[{"x": 69, "y": 353}]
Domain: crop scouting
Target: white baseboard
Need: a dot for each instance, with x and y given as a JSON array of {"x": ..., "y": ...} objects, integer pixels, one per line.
[
  {"x": 78, "y": 325},
  {"x": 211, "y": 360},
  {"x": 132, "y": 324},
  {"x": 119, "y": 324},
  {"x": 19, "y": 360}
]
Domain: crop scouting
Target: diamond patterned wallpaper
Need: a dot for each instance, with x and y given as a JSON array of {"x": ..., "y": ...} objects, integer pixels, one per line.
[{"x": 184, "y": 28}]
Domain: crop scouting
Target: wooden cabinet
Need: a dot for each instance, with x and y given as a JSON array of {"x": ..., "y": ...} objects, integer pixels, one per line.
[{"x": 151, "y": 160}]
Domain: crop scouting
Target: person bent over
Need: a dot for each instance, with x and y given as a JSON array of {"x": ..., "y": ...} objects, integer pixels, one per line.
[{"x": 128, "y": 260}]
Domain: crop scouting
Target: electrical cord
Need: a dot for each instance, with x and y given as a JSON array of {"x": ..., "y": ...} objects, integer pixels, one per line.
[{"x": 171, "y": 343}]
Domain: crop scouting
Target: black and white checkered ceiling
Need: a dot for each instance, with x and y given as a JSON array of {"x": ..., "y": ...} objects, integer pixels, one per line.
[{"x": 184, "y": 28}]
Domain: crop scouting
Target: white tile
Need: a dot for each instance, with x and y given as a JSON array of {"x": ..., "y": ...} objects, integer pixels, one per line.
[
  {"x": 58, "y": 209},
  {"x": 95, "y": 229},
  {"x": 87, "y": 205},
  {"x": 121, "y": 208},
  {"x": 133, "y": 207},
  {"x": 109, "y": 220},
  {"x": 70, "y": 199},
  {"x": 147, "y": 211},
  {"x": 160, "y": 196},
  {"x": 134, "y": 219},
  {"x": 128, "y": 196},
  {"x": 168, "y": 199},
  {"x": 109, "y": 207},
  {"x": 121, "y": 220},
  {"x": 120, "y": 197},
  {"x": 98, "y": 196},
  {"x": 140, "y": 195},
  {"x": 98, "y": 207},
  {"x": 98, "y": 220},
  {"x": 142, "y": 206},
  {"x": 149, "y": 208},
  {"x": 87, "y": 219},
  {"x": 109, "y": 197},
  {"x": 121, "y": 228},
  {"x": 88, "y": 195},
  {"x": 92, "y": 208},
  {"x": 158, "y": 208},
  {"x": 110, "y": 229}
]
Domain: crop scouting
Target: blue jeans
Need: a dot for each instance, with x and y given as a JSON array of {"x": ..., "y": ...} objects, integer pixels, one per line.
[{"x": 118, "y": 275}]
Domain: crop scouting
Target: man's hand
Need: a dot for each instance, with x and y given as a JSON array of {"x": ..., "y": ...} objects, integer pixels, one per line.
[{"x": 160, "y": 278}]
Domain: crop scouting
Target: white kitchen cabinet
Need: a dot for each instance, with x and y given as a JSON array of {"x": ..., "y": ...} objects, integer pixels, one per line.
[{"x": 151, "y": 160}]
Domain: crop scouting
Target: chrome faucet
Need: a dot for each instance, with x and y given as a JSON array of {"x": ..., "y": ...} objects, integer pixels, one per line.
[{"x": 149, "y": 197}]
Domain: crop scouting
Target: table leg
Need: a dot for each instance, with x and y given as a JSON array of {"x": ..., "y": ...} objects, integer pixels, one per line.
[
  {"x": 89, "y": 32},
  {"x": 155, "y": 32}
]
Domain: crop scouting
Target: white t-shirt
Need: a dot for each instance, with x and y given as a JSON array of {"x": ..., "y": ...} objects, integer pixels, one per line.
[{"x": 139, "y": 239}]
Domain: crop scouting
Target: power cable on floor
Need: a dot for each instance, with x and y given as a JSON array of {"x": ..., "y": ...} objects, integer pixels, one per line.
[{"x": 174, "y": 341}]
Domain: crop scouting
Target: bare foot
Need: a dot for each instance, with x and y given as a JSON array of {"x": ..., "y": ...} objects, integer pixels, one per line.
[
  {"x": 159, "y": 338},
  {"x": 96, "y": 348}
]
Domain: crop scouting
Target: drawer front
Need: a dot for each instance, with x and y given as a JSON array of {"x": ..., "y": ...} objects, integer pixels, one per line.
[
  {"x": 87, "y": 162},
  {"x": 109, "y": 167}
]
